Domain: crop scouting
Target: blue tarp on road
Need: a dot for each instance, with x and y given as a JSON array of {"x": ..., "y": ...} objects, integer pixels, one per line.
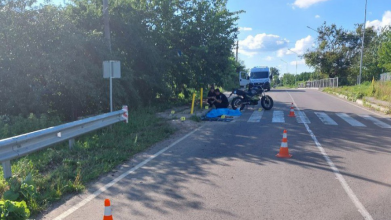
[{"x": 223, "y": 111}]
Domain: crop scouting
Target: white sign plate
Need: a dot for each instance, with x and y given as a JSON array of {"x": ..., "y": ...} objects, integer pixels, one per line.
[{"x": 111, "y": 68}]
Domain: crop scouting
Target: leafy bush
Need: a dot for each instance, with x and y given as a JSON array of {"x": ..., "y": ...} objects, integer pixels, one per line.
[
  {"x": 11, "y": 210},
  {"x": 15, "y": 125},
  {"x": 21, "y": 189},
  {"x": 359, "y": 95}
]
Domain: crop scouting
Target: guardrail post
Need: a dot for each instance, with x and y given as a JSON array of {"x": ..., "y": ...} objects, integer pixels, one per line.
[
  {"x": 125, "y": 115},
  {"x": 7, "y": 169},
  {"x": 71, "y": 143}
]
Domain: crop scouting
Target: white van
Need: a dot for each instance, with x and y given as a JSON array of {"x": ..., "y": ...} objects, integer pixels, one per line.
[
  {"x": 244, "y": 79},
  {"x": 259, "y": 75}
]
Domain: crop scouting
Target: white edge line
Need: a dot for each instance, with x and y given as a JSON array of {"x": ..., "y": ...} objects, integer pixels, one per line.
[
  {"x": 108, "y": 185},
  {"x": 341, "y": 99},
  {"x": 341, "y": 179}
]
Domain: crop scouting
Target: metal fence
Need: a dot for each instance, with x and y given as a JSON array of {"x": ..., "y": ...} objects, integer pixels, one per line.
[
  {"x": 385, "y": 77},
  {"x": 330, "y": 82},
  {"x": 18, "y": 146}
]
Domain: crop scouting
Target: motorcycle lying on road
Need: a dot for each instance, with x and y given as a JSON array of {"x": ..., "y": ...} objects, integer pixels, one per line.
[{"x": 251, "y": 97}]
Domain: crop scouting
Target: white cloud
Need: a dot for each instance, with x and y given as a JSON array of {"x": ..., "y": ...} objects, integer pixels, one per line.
[
  {"x": 306, "y": 3},
  {"x": 302, "y": 45},
  {"x": 378, "y": 25},
  {"x": 253, "y": 45},
  {"x": 247, "y": 53},
  {"x": 282, "y": 52},
  {"x": 299, "y": 62},
  {"x": 245, "y": 29},
  {"x": 269, "y": 58},
  {"x": 317, "y": 16}
]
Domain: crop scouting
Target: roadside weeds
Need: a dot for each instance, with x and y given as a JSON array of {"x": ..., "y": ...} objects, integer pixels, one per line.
[
  {"x": 365, "y": 101},
  {"x": 42, "y": 178}
]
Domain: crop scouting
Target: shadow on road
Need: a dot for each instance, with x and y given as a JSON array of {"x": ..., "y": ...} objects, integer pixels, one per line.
[
  {"x": 284, "y": 90},
  {"x": 166, "y": 184}
]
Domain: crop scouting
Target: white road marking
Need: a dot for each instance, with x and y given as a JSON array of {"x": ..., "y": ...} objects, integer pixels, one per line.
[
  {"x": 325, "y": 118},
  {"x": 256, "y": 116},
  {"x": 338, "y": 175},
  {"x": 353, "y": 122},
  {"x": 301, "y": 118},
  {"x": 278, "y": 117},
  {"x": 105, "y": 187},
  {"x": 376, "y": 121}
]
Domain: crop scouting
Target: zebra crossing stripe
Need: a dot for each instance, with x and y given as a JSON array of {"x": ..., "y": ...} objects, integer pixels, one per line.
[
  {"x": 353, "y": 122},
  {"x": 301, "y": 118},
  {"x": 376, "y": 121},
  {"x": 325, "y": 118},
  {"x": 256, "y": 116},
  {"x": 278, "y": 117}
]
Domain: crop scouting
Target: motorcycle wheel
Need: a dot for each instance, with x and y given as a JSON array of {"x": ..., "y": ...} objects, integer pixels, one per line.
[
  {"x": 267, "y": 102},
  {"x": 237, "y": 103}
]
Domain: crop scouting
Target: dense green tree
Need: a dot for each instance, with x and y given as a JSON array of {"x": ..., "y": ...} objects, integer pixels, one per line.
[
  {"x": 46, "y": 63},
  {"x": 276, "y": 75},
  {"x": 384, "y": 52},
  {"x": 338, "y": 53},
  {"x": 288, "y": 79},
  {"x": 51, "y": 56},
  {"x": 335, "y": 50}
]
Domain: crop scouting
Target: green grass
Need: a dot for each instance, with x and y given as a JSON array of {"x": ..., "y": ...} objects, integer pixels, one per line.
[
  {"x": 14, "y": 125},
  {"x": 57, "y": 171},
  {"x": 195, "y": 118},
  {"x": 378, "y": 90}
]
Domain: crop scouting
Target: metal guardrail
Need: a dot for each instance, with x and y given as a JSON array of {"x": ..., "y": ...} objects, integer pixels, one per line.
[
  {"x": 18, "y": 146},
  {"x": 329, "y": 82},
  {"x": 385, "y": 77}
]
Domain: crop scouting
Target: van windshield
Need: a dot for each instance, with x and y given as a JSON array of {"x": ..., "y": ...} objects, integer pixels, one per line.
[{"x": 259, "y": 75}]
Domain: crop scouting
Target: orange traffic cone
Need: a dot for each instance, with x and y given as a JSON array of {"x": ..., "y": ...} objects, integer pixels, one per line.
[
  {"x": 107, "y": 215},
  {"x": 292, "y": 112},
  {"x": 284, "y": 152}
]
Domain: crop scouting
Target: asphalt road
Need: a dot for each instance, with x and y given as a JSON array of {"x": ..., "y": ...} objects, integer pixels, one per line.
[{"x": 340, "y": 168}]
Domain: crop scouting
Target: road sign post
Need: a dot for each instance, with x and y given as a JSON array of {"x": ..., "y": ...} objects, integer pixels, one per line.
[{"x": 111, "y": 69}]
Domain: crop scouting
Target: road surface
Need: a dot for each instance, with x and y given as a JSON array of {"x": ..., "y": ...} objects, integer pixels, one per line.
[{"x": 340, "y": 168}]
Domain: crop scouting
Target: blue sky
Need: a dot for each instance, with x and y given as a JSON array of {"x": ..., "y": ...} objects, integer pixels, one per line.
[{"x": 270, "y": 27}]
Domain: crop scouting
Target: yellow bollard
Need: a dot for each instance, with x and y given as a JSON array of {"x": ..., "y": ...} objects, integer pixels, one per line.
[
  {"x": 202, "y": 91},
  {"x": 192, "y": 104}
]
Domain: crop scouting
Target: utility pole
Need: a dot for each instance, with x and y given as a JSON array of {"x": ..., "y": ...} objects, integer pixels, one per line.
[
  {"x": 286, "y": 70},
  {"x": 296, "y": 58},
  {"x": 286, "y": 65},
  {"x": 363, "y": 38},
  {"x": 106, "y": 23},
  {"x": 108, "y": 42},
  {"x": 296, "y": 62},
  {"x": 237, "y": 51}
]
